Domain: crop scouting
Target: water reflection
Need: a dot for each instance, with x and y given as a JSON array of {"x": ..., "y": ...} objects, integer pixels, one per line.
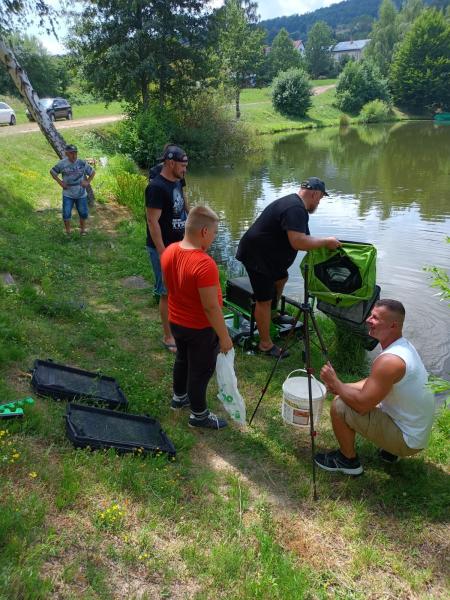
[{"x": 389, "y": 186}]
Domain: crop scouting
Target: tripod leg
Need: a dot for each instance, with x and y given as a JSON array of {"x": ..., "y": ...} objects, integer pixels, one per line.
[
  {"x": 307, "y": 313},
  {"x": 263, "y": 393},
  {"x": 319, "y": 336}
]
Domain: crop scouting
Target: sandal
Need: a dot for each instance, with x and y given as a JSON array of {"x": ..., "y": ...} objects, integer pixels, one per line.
[{"x": 275, "y": 352}]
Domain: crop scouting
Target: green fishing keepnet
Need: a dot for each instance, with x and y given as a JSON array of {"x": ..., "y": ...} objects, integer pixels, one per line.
[{"x": 343, "y": 276}]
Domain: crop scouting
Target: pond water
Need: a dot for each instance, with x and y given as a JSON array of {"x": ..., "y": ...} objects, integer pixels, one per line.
[{"x": 389, "y": 185}]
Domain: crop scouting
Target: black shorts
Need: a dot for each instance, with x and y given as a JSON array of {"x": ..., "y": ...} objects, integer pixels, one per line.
[{"x": 264, "y": 285}]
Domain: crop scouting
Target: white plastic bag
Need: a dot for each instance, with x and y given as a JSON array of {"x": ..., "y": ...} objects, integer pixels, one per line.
[{"x": 228, "y": 390}]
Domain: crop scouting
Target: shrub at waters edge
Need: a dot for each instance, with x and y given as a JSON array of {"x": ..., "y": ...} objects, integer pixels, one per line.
[
  {"x": 375, "y": 111},
  {"x": 359, "y": 83},
  {"x": 291, "y": 93},
  {"x": 203, "y": 126}
]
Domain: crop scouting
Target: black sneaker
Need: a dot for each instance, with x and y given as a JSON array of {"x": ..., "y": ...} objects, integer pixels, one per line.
[
  {"x": 387, "y": 456},
  {"x": 336, "y": 461},
  {"x": 179, "y": 404},
  {"x": 211, "y": 421}
]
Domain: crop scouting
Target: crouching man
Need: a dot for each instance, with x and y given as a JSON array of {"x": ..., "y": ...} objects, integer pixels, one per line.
[
  {"x": 393, "y": 408},
  {"x": 195, "y": 315}
]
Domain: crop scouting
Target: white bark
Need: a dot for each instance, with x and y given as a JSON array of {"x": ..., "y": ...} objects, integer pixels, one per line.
[{"x": 31, "y": 99}]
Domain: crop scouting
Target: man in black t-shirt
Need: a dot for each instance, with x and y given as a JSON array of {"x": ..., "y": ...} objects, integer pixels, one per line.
[
  {"x": 270, "y": 246},
  {"x": 166, "y": 211}
]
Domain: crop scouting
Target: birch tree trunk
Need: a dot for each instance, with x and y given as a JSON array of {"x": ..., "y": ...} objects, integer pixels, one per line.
[{"x": 31, "y": 99}]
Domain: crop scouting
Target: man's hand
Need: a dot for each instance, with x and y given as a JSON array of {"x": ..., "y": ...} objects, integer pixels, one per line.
[
  {"x": 226, "y": 344},
  {"x": 63, "y": 184},
  {"x": 329, "y": 377},
  {"x": 85, "y": 183},
  {"x": 332, "y": 243}
]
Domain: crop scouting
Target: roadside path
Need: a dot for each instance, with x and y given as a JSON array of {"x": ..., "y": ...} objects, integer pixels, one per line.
[{"x": 31, "y": 127}]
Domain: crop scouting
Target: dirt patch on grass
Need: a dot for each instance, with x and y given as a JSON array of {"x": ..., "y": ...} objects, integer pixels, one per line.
[{"x": 109, "y": 216}]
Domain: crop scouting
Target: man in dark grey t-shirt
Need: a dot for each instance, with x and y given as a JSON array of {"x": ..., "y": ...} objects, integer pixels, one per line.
[
  {"x": 270, "y": 245},
  {"x": 76, "y": 174}
]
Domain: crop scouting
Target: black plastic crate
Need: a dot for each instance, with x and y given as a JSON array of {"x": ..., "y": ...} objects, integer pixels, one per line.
[
  {"x": 99, "y": 428},
  {"x": 68, "y": 383}
]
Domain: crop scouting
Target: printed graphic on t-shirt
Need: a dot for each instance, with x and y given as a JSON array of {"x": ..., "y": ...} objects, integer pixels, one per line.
[{"x": 178, "y": 212}]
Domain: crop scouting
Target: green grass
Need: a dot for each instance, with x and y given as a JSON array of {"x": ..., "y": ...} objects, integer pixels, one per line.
[
  {"x": 80, "y": 111},
  {"x": 233, "y": 516}
]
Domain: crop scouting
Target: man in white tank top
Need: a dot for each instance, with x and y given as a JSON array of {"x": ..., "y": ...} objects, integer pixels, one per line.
[{"x": 393, "y": 407}]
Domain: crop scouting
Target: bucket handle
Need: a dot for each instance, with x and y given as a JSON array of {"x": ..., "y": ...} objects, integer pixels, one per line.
[{"x": 303, "y": 371}]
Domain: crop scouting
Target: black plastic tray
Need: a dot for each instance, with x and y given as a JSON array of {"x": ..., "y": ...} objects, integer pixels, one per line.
[
  {"x": 68, "y": 383},
  {"x": 101, "y": 428}
]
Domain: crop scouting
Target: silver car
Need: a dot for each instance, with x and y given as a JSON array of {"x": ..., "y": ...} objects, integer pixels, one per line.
[{"x": 7, "y": 114}]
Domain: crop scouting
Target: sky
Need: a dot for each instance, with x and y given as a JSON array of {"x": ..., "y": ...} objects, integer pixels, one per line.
[{"x": 267, "y": 9}]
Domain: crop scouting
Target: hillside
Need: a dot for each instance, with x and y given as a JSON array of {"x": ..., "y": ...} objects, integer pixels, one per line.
[{"x": 351, "y": 18}]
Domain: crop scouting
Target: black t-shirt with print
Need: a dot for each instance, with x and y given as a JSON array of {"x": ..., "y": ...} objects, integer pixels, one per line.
[
  {"x": 265, "y": 246},
  {"x": 167, "y": 196}
]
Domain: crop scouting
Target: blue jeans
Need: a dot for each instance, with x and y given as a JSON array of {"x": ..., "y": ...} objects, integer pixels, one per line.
[
  {"x": 81, "y": 204},
  {"x": 159, "y": 289}
]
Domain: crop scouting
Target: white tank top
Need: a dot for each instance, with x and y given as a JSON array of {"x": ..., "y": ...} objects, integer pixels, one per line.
[{"x": 410, "y": 403}]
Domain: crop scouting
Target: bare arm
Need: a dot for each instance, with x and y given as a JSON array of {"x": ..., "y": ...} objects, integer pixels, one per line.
[
  {"x": 86, "y": 182},
  {"x": 301, "y": 241},
  {"x": 59, "y": 181},
  {"x": 211, "y": 306},
  {"x": 386, "y": 371},
  {"x": 153, "y": 215}
]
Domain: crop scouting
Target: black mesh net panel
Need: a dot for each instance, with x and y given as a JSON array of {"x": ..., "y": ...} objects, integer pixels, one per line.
[
  {"x": 339, "y": 274},
  {"x": 102, "y": 428}
]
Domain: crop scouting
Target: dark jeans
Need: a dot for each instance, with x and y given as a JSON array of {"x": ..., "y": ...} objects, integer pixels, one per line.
[{"x": 195, "y": 362}]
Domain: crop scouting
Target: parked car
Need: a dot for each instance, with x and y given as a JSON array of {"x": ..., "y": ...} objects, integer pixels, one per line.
[
  {"x": 57, "y": 108},
  {"x": 7, "y": 114}
]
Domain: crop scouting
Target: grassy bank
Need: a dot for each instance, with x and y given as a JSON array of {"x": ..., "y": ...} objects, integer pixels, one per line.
[
  {"x": 258, "y": 113},
  {"x": 232, "y": 517}
]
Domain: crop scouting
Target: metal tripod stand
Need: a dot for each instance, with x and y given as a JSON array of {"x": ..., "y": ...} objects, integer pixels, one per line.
[{"x": 305, "y": 313}]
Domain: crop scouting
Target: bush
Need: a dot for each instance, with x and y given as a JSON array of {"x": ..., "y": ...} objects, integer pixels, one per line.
[
  {"x": 344, "y": 121},
  {"x": 203, "y": 128},
  {"x": 375, "y": 111},
  {"x": 359, "y": 83},
  {"x": 119, "y": 163},
  {"x": 291, "y": 93}
]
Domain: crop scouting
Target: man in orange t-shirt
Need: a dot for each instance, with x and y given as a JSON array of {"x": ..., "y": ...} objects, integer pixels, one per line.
[{"x": 195, "y": 315}]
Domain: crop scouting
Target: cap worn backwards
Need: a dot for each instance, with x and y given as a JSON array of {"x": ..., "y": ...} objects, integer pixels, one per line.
[
  {"x": 173, "y": 152},
  {"x": 314, "y": 183}
]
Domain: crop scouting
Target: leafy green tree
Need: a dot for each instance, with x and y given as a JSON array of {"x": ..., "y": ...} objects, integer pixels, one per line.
[
  {"x": 359, "y": 83},
  {"x": 47, "y": 73},
  {"x": 129, "y": 49},
  {"x": 318, "y": 50},
  {"x": 420, "y": 72},
  {"x": 15, "y": 14},
  {"x": 240, "y": 46},
  {"x": 384, "y": 36},
  {"x": 291, "y": 93},
  {"x": 283, "y": 55}
]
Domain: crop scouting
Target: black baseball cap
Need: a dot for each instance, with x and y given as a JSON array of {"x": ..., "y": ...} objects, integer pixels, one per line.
[
  {"x": 314, "y": 183},
  {"x": 173, "y": 152},
  {"x": 70, "y": 148}
]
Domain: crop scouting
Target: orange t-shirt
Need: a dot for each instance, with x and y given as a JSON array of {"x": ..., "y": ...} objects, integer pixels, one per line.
[{"x": 185, "y": 271}]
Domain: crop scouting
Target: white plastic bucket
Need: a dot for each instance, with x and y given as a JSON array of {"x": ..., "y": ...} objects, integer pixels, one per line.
[{"x": 295, "y": 405}]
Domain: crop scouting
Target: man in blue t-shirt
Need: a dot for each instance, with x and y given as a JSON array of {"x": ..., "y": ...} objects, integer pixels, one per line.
[
  {"x": 270, "y": 245},
  {"x": 166, "y": 211},
  {"x": 76, "y": 174}
]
